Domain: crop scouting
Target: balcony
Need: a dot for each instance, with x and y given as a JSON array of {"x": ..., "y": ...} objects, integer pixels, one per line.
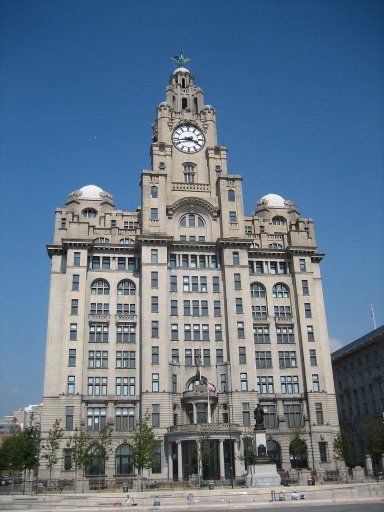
[
  {"x": 195, "y": 187},
  {"x": 284, "y": 319},
  {"x": 260, "y": 319},
  {"x": 99, "y": 317},
  {"x": 201, "y": 428},
  {"x": 126, "y": 318}
]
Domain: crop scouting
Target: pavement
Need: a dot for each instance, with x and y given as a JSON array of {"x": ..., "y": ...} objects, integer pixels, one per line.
[{"x": 220, "y": 499}]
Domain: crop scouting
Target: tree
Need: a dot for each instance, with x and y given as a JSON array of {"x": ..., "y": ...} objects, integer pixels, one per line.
[
  {"x": 144, "y": 447},
  {"x": 249, "y": 455},
  {"x": 204, "y": 453},
  {"x": 373, "y": 435},
  {"x": 51, "y": 446},
  {"x": 298, "y": 449},
  {"x": 80, "y": 451},
  {"x": 102, "y": 447},
  {"x": 342, "y": 448}
]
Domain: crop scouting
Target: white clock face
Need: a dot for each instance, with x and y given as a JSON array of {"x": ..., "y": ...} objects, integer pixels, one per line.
[{"x": 188, "y": 139}]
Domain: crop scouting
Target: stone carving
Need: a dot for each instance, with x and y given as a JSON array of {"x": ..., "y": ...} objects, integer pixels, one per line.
[
  {"x": 259, "y": 417},
  {"x": 261, "y": 451}
]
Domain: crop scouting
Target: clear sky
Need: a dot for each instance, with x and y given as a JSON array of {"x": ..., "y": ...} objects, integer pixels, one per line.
[{"x": 298, "y": 88}]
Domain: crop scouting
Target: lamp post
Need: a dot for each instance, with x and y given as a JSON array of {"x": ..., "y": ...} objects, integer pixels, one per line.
[{"x": 230, "y": 445}]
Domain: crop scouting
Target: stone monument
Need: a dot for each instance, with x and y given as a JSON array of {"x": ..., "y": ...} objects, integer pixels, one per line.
[{"x": 262, "y": 471}]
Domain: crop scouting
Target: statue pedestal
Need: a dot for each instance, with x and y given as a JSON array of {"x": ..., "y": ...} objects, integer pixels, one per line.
[{"x": 263, "y": 472}]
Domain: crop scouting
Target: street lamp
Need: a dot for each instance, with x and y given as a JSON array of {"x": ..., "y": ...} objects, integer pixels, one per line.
[{"x": 230, "y": 445}]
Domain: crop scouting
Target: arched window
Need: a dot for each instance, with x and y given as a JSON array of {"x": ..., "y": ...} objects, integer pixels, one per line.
[
  {"x": 195, "y": 382},
  {"x": 231, "y": 195},
  {"x": 274, "y": 451},
  {"x": 255, "y": 245},
  {"x": 101, "y": 240},
  {"x": 278, "y": 221},
  {"x": 90, "y": 213},
  {"x": 154, "y": 192},
  {"x": 123, "y": 460},
  {"x": 96, "y": 464},
  {"x": 275, "y": 246},
  {"x": 192, "y": 221},
  {"x": 257, "y": 290},
  {"x": 127, "y": 241},
  {"x": 126, "y": 287},
  {"x": 189, "y": 172},
  {"x": 298, "y": 453},
  {"x": 280, "y": 291},
  {"x": 100, "y": 287}
]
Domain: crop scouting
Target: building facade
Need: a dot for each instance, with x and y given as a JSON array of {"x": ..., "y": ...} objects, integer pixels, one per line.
[
  {"x": 188, "y": 310},
  {"x": 358, "y": 371}
]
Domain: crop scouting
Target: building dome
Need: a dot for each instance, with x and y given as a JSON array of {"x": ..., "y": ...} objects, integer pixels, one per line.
[
  {"x": 273, "y": 201},
  {"x": 181, "y": 70},
  {"x": 91, "y": 192}
]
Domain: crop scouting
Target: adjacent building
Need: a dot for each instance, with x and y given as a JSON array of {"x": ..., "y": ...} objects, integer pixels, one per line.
[
  {"x": 188, "y": 310},
  {"x": 358, "y": 371}
]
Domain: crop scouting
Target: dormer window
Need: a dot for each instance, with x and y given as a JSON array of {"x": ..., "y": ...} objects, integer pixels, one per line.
[
  {"x": 278, "y": 221},
  {"x": 101, "y": 240},
  {"x": 90, "y": 213},
  {"x": 189, "y": 172}
]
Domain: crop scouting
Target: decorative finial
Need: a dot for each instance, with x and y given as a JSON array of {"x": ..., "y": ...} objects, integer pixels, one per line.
[{"x": 181, "y": 59}]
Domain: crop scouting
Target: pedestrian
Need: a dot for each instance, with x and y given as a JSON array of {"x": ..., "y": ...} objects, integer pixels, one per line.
[{"x": 313, "y": 478}]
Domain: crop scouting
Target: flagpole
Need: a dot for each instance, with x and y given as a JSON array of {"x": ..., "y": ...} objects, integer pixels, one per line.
[
  {"x": 373, "y": 316},
  {"x": 209, "y": 404}
]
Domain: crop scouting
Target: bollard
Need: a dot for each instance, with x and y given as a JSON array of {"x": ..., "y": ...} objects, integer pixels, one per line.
[{"x": 273, "y": 495}]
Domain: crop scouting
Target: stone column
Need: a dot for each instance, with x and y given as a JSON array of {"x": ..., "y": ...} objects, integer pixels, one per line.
[
  {"x": 170, "y": 462},
  {"x": 199, "y": 464},
  {"x": 194, "y": 414},
  {"x": 179, "y": 461},
  {"x": 221, "y": 459},
  {"x": 238, "y": 470}
]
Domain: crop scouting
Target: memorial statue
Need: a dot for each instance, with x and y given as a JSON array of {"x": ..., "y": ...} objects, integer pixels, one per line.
[{"x": 259, "y": 417}]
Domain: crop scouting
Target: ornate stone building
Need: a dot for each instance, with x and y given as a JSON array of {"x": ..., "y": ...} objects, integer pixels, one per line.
[{"x": 188, "y": 310}]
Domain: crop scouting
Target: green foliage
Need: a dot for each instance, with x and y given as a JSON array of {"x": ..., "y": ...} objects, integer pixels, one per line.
[
  {"x": 342, "y": 448},
  {"x": 144, "y": 445},
  {"x": 298, "y": 448},
  {"x": 101, "y": 448},
  {"x": 373, "y": 435},
  {"x": 249, "y": 455},
  {"x": 51, "y": 446},
  {"x": 80, "y": 449},
  {"x": 21, "y": 450}
]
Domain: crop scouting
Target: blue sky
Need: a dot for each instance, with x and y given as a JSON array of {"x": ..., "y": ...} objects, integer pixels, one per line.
[{"x": 298, "y": 88}]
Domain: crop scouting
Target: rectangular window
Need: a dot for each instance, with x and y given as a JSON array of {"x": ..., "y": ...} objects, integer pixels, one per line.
[
  {"x": 95, "y": 262},
  {"x": 203, "y": 284},
  {"x": 283, "y": 267},
  {"x": 315, "y": 382},
  {"x": 205, "y": 331},
  {"x": 154, "y": 214},
  {"x": 270, "y": 416},
  {"x": 219, "y": 356},
  {"x": 206, "y": 357},
  {"x": 73, "y": 332},
  {"x": 285, "y": 334},
  {"x": 75, "y": 282},
  {"x": 125, "y": 418},
  {"x": 76, "y": 259},
  {"x": 215, "y": 284},
  {"x": 223, "y": 382},
  {"x": 154, "y": 255},
  {"x": 264, "y": 385},
  {"x": 204, "y": 308},
  {"x": 74, "y": 307},
  {"x": 154, "y": 279},
  {"x": 187, "y": 308},
  {"x": 67, "y": 459},
  {"x": 196, "y": 332},
  {"x": 214, "y": 263},
  {"x": 97, "y": 386},
  {"x": 232, "y": 217},
  {"x": 186, "y": 284},
  {"x": 273, "y": 267},
  {"x": 217, "y": 308},
  {"x": 282, "y": 311},
  {"x": 289, "y": 384},
  {"x": 292, "y": 415},
  {"x": 175, "y": 356},
  {"x": 246, "y": 414},
  {"x": 323, "y": 451},
  {"x": 172, "y": 261},
  {"x": 242, "y": 355},
  {"x": 235, "y": 259},
  {"x": 173, "y": 283},
  {"x": 240, "y": 330},
  {"x": 154, "y": 304},
  {"x": 287, "y": 359},
  {"x": 126, "y": 333},
  {"x": 155, "y": 382},
  {"x": 106, "y": 263},
  {"x": 185, "y": 261},
  {"x": 319, "y": 414},
  {"x": 71, "y": 385},
  {"x": 188, "y": 357},
  {"x": 96, "y": 418},
  {"x": 239, "y": 305},
  {"x": 307, "y": 310},
  {"x": 193, "y": 260},
  {"x": 100, "y": 308},
  {"x": 243, "y": 382},
  {"x": 187, "y": 332},
  {"x": 237, "y": 281},
  {"x": 259, "y": 267},
  {"x": 263, "y": 359},
  {"x": 259, "y": 311},
  {"x": 261, "y": 334},
  {"x": 313, "y": 357},
  {"x": 121, "y": 263},
  {"x": 174, "y": 383},
  {"x": 174, "y": 332},
  {"x": 303, "y": 267},
  {"x": 195, "y": 308},
  {"x": 155, "y": 355},
  {"x": 304, "y": 285},
  {"x": 155, "y": 329},
  {"x": 69, "y": 417},
  {"x": 195, "y": 283},
  {"x": 72, "y": 357},
  {"x": 156, "y": 464},
  {"x": 218, "y": 332},
  {"x": 155, "y": 415},
  {"x": 310, "y": 333}
]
